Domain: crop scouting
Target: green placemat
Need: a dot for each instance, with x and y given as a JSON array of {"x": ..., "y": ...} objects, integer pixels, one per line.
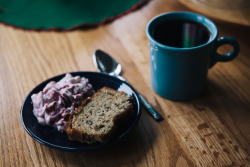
[{"x": 63, "y": 14}]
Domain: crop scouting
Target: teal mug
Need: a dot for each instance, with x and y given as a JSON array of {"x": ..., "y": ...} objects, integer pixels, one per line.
[{"x": 183, "y": 46}]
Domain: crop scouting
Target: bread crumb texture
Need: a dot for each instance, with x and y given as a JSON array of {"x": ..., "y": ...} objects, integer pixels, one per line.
[{"x": 96, "y": 119}]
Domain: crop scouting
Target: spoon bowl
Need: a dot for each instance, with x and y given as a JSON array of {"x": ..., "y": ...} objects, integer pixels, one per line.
[{"x": 105, "y": 63}]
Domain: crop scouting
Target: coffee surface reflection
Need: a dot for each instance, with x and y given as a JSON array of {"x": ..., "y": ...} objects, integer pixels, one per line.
[{"x": 181, "y": 34}]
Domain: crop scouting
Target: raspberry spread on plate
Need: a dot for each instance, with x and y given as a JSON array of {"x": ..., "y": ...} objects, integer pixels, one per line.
[{"x": 54, "y": 104}]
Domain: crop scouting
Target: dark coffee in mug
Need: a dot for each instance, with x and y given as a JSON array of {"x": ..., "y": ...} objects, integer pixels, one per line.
[{"x": 181, "y": 34}]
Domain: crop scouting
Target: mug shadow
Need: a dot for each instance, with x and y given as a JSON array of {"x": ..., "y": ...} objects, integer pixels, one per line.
[
  {"x": 130, "y": 150},
  {"x": 217, "y": 98},
  {"x": 230, "y": 106}
]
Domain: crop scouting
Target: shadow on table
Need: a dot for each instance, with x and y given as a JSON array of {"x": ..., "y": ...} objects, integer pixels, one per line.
[
  {"x": 228, "y": 101},
  {"x": 130, "y": 150},
  {"x": 220, "y": 95}
]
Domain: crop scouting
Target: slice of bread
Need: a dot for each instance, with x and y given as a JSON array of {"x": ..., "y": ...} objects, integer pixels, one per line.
[{"x": 97, "y": 118}]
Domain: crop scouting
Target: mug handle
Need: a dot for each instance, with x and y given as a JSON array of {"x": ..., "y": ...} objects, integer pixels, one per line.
[{"x": 225, "y": 57}]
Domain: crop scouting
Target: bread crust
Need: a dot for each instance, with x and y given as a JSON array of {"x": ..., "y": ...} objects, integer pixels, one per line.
[{"x": 81, "y": 136}]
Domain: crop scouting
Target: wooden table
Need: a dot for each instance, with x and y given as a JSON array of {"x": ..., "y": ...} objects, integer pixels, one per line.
[{"x": 213, "y": 130}]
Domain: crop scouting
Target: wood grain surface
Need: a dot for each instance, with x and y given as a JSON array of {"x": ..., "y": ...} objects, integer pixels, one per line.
[
  {"x": 212, "y": 130},
  {"x": 233, "y": 11}
]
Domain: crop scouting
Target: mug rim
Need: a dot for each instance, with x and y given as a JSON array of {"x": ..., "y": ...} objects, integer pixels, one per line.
[{"x": 198, "y": 19}]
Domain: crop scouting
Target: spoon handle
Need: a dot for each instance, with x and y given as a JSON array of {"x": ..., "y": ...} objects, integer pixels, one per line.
[
  {"x": 151, "y": 110},
  {"x": 146, "y": 104}
]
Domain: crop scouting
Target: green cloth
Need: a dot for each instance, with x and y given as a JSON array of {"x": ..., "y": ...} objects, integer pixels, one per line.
[{"x": 62, "y": 14}]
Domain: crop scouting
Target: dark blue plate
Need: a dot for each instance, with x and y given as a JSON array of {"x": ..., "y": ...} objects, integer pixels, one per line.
[{"x": 50, "y": 137}]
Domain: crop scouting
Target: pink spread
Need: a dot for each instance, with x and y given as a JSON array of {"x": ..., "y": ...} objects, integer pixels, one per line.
[{"x": 58, "y": 100}]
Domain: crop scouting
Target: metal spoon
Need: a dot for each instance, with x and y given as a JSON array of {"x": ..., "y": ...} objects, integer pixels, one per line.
[{"x": 105, "y": 63}]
